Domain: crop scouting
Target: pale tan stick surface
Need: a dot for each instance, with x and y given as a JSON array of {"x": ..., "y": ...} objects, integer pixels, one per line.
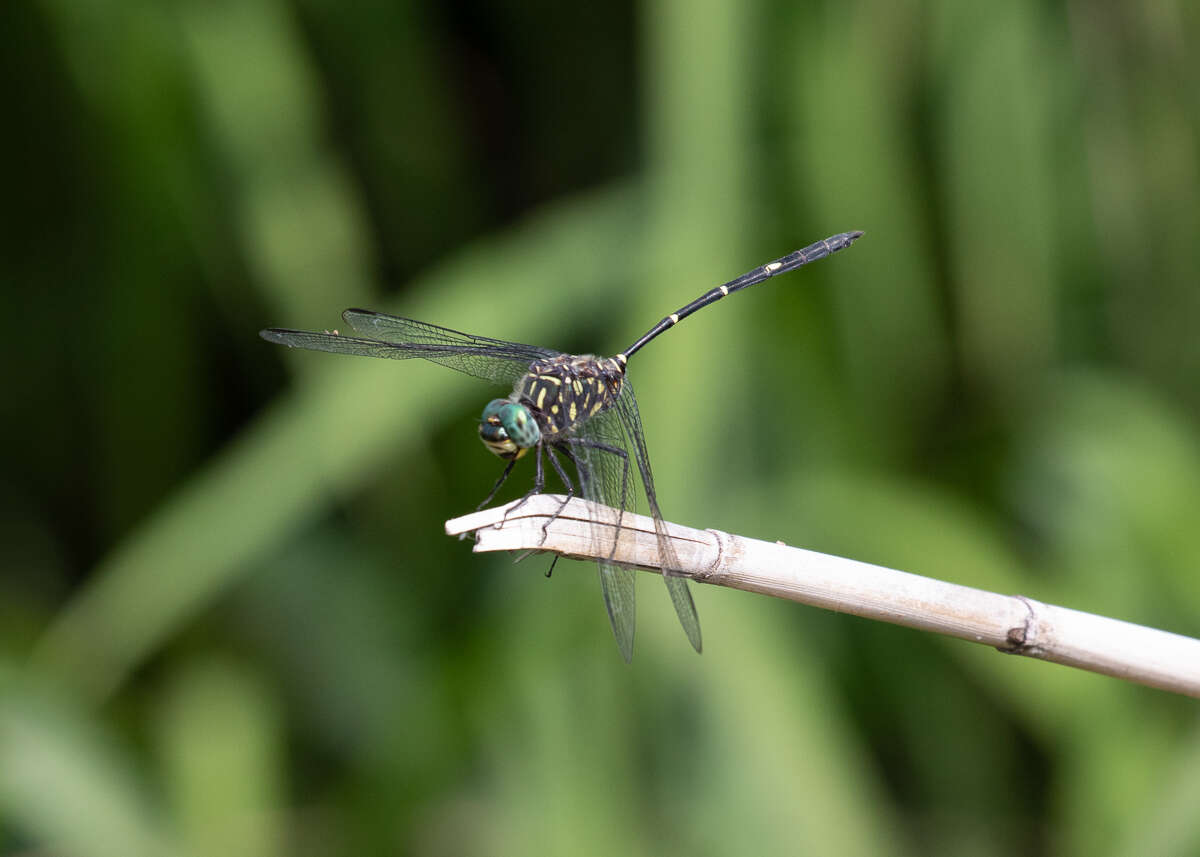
[{"x": 1011, "y": 623}]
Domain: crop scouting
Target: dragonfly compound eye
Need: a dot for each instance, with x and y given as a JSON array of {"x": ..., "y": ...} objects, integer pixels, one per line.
[
  {"x": 508, "y": 429},
  {"x": 520, "y": 425}
]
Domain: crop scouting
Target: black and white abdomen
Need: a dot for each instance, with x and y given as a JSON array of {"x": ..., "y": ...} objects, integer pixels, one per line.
[{"x": 568, "y": 389}]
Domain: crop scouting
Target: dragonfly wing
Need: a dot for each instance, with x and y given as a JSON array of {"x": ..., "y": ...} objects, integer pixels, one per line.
[
  {"x": 685, "y": 607},
  {"x": 398, "y": 338},
  {"x": 605, "y": 472},
  {"x": 617, "y": 586},
  {"x": 626, "y": 412},
  {"x": 406, "y": 331}
]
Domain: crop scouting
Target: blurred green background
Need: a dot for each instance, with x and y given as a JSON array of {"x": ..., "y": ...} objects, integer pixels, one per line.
[{"x": 229, "y": 620}]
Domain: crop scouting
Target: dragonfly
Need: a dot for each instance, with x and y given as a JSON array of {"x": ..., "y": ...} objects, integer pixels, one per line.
[{"x": 565, "y": 409}]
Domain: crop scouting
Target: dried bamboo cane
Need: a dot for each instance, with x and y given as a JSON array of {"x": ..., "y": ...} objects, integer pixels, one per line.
[{"x": 1010, "y": 623}]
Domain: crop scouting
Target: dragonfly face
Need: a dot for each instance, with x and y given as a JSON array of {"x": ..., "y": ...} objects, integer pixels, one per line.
[{"x": 508, "y": 429}]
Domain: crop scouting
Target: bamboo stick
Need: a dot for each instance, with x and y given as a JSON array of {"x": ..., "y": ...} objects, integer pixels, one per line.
[{"x": 1013, "y": 624}]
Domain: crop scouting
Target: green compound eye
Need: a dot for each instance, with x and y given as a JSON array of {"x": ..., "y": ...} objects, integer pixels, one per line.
[{"x": 508, "y": 429}]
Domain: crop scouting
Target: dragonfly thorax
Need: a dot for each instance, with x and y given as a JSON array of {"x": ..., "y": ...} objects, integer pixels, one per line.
[
  {"x": 563, "y": 391},
  {"x": 508, "y": 429},
  {"x": 552, "y": 399}
]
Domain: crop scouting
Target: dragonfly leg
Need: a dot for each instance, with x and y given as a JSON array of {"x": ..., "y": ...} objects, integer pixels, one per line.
[
  {"x": 581, "y": 467},
  {"x": 503, "y": 478},
  {"x": 539, "y": 484},
  {"x": 570, "y": 486},
  {"x": 495, "y": 488}
]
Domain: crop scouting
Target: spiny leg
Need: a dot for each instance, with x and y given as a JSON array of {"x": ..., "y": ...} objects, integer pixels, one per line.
[
  {"x": 495, "y": 488},
  {"x": 580, "y": 466},
  {"x": 567, "y": 483},
  {"x": 582, "y": 469},
  {"x": 539, "y": 483},
  {"x": 570, "y": 486}
]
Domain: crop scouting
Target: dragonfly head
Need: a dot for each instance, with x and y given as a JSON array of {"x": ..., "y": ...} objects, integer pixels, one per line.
[{"x": 508, "y": 428}]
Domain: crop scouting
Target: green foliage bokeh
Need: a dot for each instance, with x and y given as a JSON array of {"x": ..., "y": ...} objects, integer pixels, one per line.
[{"x": 229, "y": 620}]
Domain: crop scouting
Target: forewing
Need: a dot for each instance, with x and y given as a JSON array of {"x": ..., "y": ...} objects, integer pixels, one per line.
[
  {"x": 398, "y": 338},
  {"x": 626, "y": 413}
]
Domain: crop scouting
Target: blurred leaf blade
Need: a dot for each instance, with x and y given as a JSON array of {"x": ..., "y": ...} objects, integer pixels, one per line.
[
  {"x": 219, "y": 737},
  {"x": 66, "y": 784}
]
